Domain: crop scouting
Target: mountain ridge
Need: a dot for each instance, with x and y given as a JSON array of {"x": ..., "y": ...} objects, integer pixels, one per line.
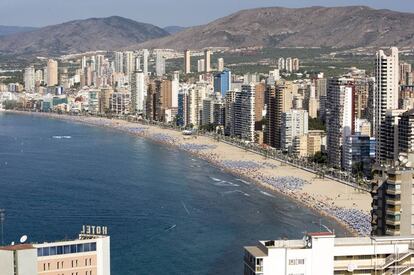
[
  {"x": 108, "y": 33},
  {"x": 316, "y": 26}
]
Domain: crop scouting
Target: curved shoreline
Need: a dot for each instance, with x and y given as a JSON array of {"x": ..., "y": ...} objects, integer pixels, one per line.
[{"x": 325, "y": 206}]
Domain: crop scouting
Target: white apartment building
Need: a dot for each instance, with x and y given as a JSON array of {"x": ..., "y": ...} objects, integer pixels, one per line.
[
  {"x": 324, "y": 254},
  {"x": 119, "y": 62},
  {"x": 294, "y": 124},
  {"x": 386, "y": 88},
  {"x": 244, "y": 113},
  {"x": 29, "y": 79},
  {"x": 138, "y": 92}
]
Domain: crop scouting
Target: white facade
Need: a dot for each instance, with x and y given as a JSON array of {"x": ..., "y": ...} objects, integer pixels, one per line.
[
  {"x": 386, "y": 88},
  {"x": 294, "y": 124},
  {"x": 145, "y": 57},
  {"x": 323, "y": 254},
  {"x": 220, "y": 64},
  {"x": 207, "y": 60},
  {"x": 281, "y": 63},
  {"x": 175, "y": 87},
  {"x": 119, "y": 62},
  {"x": 159, "y": 64},
  {"x": 129, "y": 62},
  {"x": 200, "y": 65},
  {"x": 138, "y": 92},
  {"x": 29, "y": 79}
]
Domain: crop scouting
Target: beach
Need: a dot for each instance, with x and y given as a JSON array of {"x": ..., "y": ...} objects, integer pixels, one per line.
[{"x": 348, "y": 206}]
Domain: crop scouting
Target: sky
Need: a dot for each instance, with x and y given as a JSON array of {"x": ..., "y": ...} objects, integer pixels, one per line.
[{"x": 38, "y": 13}]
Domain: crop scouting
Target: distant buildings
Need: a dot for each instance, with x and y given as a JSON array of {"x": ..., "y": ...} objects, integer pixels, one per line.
[
  {"x": 222, "y": 82},
  {"x": 187, "y": 61},
  {"x": 52, "y": 72},
  {"x": 220, "y": 64},
  {"x": 207, "y": 60},
  {"x": 138, "y": 92},
  {"x": 159, "y": 64},
  {"x": 29, "y": 79}
]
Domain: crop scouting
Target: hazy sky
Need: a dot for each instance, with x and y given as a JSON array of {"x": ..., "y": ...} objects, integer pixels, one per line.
[{"x": 159, "y": 12}]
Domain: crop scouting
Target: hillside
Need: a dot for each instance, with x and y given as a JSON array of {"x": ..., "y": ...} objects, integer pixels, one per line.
[
  {"x": 8, "y": 30},
  {"x": 81, "y": 35},
  {"x": 340, "y": 27}
]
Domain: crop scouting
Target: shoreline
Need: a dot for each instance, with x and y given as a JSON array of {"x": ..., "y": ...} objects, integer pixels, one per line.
[{"x": 292, "y": 183}]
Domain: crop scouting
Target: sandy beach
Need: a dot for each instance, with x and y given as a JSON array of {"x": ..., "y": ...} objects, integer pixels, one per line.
[{"x": 341, "y": 202}]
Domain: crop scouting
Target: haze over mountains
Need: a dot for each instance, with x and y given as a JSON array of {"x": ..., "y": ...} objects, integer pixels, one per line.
[
  {"x": 80, "y": 36},
  {"x": 305, "y": 27},
  {"x": 355, "y": 26}
]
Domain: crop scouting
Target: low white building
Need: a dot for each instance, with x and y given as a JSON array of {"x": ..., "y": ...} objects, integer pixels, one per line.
[{"x": 324, "y": 254}]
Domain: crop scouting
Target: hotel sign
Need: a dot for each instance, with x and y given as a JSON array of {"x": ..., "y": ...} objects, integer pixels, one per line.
[{"x": 94, "y": 230}]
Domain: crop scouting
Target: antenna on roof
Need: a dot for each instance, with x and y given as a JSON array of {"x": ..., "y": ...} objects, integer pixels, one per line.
[{"x": 23, "y": 239}]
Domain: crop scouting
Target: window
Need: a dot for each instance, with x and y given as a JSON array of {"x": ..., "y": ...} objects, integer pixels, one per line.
[{"x": 296, "y": 261}]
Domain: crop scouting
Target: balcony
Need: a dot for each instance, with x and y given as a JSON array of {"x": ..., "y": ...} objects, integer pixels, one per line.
[{"x": 391, "y": 221}]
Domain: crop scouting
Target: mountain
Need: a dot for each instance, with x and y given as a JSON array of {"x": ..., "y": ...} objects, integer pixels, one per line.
[
  {"x": 174, "y": 29},
  {"x": 79, "y": 36},
  {"x": 7, "y": 30},
  {"x": 352, "y": 26}
]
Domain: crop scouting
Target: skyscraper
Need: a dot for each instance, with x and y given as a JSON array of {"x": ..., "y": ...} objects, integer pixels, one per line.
[
  {"x": 244, "y": 114},
  {"x": 145, "y": 57},
  {"x": 222, "y": 82},
  {"x": 220, "y": 64},
  {"x": 200, "y": 65},
  {"x": 119, "y": 62},
  {"x": 294, "y": 123},
  {"x": 278, "y": 99},
  {"x": 340, "y": 118},
  {"x": 187, "y": 61},
  {"x": 52, "y": 72},
  {"x": 289, "y": 65},
  {"x": 159, "y": 64},
  {"x": 175, "y": 86},
  {"x": 29, "y": 79},
  {"x": 129, "y": 62},
  {"x": 386, "y": 89},
  {"x": 138, "y": 92},
  {"x": 207, "y": 60},
  {"x": 281, "y": 63}
]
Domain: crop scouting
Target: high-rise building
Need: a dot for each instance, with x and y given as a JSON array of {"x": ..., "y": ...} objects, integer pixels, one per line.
[
  {"x": 222, "y": 82},
  {"x": 120, "y": 102},
  {"x": 220, "y": 64},
  {"x": 294, "y": 123},
  {"x": 200, "y": 65},
  {"x": 386, "y": 89},
  {"x": 244, "y": 114},
  {"x": 359, "y": 153},
  {"x": 175, "y": 87},
  {"x": 145, "y": 57},
  {"x": 119, "y": 62},
  {"x": 129, "y": 63},
  {"x": 138, "y": 63},
  {"x": 183, "y": 106},
  {"x": 405, "y": 70},
  {"x": 392, "y": 193},
  {"x": 52, "y": 72},
  {"x": 29, "y": 79},
  {"x": 289, "y": 65},
  {"x": 187, "y": 61},
  {"x": 295, "y": 64},
  {"x": 281, "y": 64},
  {"x": 138, "y": 92},
  {"x": 387, "y": 149},
  {"x": 340, "y": 118},
  {"x": 259, "y": 101},
  {"x": 322, "y": 253},
  {"x": 159, "y": 64},
  {"x": 278, "y": 99},
  {"x": 207, "y": 61}
]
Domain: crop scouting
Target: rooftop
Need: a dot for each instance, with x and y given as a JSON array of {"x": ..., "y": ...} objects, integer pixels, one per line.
[{"x": 17, "y": 247}]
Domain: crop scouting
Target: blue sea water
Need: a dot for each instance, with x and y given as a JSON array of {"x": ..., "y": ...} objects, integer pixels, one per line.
[{"x": 167, "y": 212}]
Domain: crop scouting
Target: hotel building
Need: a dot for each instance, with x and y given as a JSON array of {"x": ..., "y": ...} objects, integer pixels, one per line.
[
  {"x": 88, "y": 255},
  {"x": 324, "y": 254}
]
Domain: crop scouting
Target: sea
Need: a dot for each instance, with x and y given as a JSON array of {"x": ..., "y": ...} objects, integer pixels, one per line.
[{"x": 167, "y": 212}]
